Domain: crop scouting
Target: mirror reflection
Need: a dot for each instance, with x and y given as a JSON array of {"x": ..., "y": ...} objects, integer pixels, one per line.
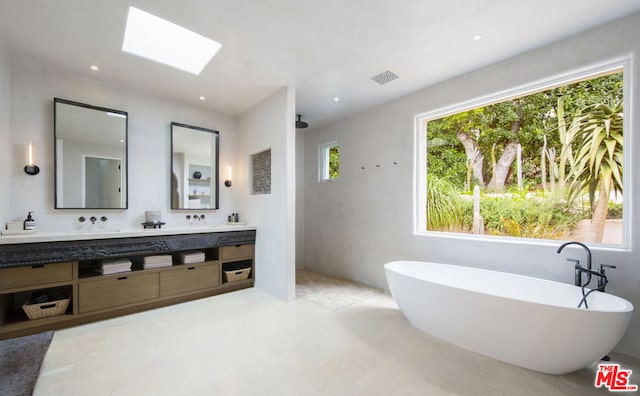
[
  {"x": 194, "y": 165},
  {"x": 90, "y": 156}
]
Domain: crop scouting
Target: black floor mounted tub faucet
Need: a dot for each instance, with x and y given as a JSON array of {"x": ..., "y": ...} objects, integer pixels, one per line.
[{"x": 578, "y": 267}]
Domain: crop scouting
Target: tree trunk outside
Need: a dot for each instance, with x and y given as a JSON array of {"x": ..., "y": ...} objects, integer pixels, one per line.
[
  {"x": 499, "y": 177},
  {"x": 478, "y": 221},
  {"x": 562, "y": 133},
  {"x": 472, "y": 151},
  {"x": 519, "y": 166},
  {"x": 504, "y": 164},
  {"x": 599, "y": 216},
  {"x": 543, "y": 165},
  {"x": 551, "y": 155}
]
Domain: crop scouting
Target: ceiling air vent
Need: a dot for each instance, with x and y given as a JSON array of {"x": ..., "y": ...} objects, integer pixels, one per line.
[{"x": 385, "y": 77}]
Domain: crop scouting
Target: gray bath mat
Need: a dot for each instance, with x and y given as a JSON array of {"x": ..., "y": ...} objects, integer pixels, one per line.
[{"x": 20, "y": 360}]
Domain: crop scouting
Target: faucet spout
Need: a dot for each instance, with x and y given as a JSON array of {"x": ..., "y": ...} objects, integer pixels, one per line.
[
  {"x": 585, "y": 247},
  {"x": 578, "y": 268}
]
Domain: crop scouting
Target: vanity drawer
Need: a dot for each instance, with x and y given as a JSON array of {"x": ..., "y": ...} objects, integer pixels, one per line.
[
  {"x": 35, "y": 275},
  {"x": 116, "y": 291},
  {"x": 238, "y": 251},
  {"x": 189, "y": 278}
]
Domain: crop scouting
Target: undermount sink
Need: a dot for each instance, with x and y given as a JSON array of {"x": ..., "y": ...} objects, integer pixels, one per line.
[
  {"x": 192, "y": 227},
  {"x": 90, "y": 231}
]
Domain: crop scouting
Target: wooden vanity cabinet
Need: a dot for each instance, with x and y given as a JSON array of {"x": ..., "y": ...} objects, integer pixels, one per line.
[
  {"x": 229, "y": 253},
  {"x": 234, "y": 258},
  {"x": 94, "y": 296},
  {"x": 18, "y": 284},
  {"x": 35, "y": 275},
  {"x": 117, "y": 290},
  {"x": 189, "y": 277}
]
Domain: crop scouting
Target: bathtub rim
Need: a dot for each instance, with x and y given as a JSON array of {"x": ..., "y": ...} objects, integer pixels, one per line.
[{"x": 628, "y": 306}]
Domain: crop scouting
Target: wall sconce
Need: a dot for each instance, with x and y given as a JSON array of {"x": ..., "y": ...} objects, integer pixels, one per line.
[
  {"x": 228, "y": 181},
  {"x": 31, "y": 168}
]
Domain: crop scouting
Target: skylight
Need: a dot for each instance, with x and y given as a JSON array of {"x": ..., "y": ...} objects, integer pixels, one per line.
[{"x": 157, "y": 39}]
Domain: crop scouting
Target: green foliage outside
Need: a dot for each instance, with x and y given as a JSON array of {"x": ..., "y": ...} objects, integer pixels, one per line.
[
  {"x": 615, "y": 210},
  {"x": 600, "y": 156},
  {"x": 523, "y": 216},
  {"x": 571, "y": 142},
  {"x": 334, "y": 162},
  {"x": 443, "y": 205},
  {"x": 493, "y": 124}
]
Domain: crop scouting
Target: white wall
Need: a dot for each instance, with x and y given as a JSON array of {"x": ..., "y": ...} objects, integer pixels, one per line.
[
  {"x": 31, "y": 119},
  {"x": 5, "y": 93},
  {"x": 365, "y": 218},
  {"x": 269, "y": 125}
]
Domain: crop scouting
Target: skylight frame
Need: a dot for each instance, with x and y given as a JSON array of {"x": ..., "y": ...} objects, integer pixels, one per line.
[{"x": 157, "y": 39}]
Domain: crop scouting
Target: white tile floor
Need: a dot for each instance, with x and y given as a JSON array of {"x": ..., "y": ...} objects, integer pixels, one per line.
[
  {"x": 250, "y": 343},
  {"x": 329, "y": 292}
]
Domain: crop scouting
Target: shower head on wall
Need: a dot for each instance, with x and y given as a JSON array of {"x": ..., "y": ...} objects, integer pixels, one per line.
[{"x": 301, "y": 124}]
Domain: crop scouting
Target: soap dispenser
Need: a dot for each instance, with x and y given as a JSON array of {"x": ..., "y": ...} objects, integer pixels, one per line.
[{"x": 29, "y": 223}]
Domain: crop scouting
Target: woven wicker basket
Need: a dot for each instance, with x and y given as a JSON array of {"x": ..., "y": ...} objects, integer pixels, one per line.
[
  {"x": 45, "y": 309},
  {"x": 237, "y": 275}
]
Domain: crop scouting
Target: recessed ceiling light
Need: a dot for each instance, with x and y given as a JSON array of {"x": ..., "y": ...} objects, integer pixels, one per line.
[
  {"x": 154, "y": 38},
  {"x": 336, "y": 99},
  {"x": 202, "y": 98},
  {"x": 121, "y": 140},
  {"x": 476, "y": 37},
  {"x": 94, "y": 67}
]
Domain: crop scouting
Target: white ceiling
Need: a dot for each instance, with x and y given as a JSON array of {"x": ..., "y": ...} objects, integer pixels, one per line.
[{"x": 324, "y": 48}]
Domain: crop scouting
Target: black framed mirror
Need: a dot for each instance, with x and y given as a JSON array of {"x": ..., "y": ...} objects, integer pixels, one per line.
[
  {"x": 194, "y": 167},
  {"x": 91, "y": 156}
]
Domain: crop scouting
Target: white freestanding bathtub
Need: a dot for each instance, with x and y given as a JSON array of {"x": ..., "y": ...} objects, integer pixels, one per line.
[{"x": 532, "y": 323}]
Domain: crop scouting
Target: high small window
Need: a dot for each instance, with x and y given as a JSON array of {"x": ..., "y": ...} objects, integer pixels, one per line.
[{"x": 329, "y": 161}]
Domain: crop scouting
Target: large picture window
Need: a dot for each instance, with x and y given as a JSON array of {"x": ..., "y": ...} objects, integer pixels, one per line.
[{"x": 544, "y": 163}]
